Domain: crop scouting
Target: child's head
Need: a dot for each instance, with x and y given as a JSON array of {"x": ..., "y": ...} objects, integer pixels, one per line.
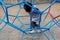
[{"x": 27, "y": 7}]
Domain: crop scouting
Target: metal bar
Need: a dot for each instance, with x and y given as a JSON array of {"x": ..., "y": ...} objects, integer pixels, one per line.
[
  {"x": 14, "y": 26},
  {"x": 53, "y": 37},
  {"x": 3, "y": 27},
  {"x": 14, "y": 4},
  {"x": 46, "y": 36},
  {"x": 49, "y": 6},
  {"x": 19, "y": 16},
  {"x": 7, "y": 15}
]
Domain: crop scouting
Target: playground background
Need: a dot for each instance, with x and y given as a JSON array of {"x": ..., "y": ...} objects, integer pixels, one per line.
[{"x": 9, "y": 33}]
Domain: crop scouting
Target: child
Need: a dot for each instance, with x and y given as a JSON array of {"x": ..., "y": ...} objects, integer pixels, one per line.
[{"x": 34, "y": 14}]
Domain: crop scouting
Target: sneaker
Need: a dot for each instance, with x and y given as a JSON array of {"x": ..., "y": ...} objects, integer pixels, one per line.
[
  {"x": 38, "y": 31},
  {"x": 33, "y": 31}
]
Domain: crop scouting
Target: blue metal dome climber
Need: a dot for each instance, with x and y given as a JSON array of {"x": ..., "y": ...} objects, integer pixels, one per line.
[{"x": 43, "y": 28}]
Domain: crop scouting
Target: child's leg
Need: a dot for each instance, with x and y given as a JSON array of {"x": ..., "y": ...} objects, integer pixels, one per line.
[{"x": 34, "y": 24}]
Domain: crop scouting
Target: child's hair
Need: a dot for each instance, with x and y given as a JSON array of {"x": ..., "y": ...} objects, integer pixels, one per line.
[{"x": 28, "y": 7}]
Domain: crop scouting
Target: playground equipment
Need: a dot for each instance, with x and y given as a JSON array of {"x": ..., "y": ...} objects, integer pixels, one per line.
[{"x": 43, "y": 28}]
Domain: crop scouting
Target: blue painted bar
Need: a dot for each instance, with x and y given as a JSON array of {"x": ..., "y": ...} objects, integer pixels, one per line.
[
  {"x": 22, "y": 36},
  {"x": 12, "y": 25},
  {"x": 18, "y": 16},
  {"x": 56, "y": 23},
  {"x": 53, "y": 37},
  {"x": 45, "y": 17},
  {"x": 3, "y": 27},
  {"x": 1, "y": 20},
  {"x": 49, "y": 6},
  {"x": 21, "y": 23},
  {"x": 14, "y": 4},
  {"x": 46, "y": 23},
  {"x": 3, "y": 11},
  {"x": 0, "y": 0},
  {"x": 46, "y": 36},
  {"x": 3, "y": 8},
  {"x": 16, "y": 27},
  {"x": 49, "y": 27},
  {"x": 33, "y": 36},
  {"x": 53, "y": 24},
  {"x": 7, "y": 15}
]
